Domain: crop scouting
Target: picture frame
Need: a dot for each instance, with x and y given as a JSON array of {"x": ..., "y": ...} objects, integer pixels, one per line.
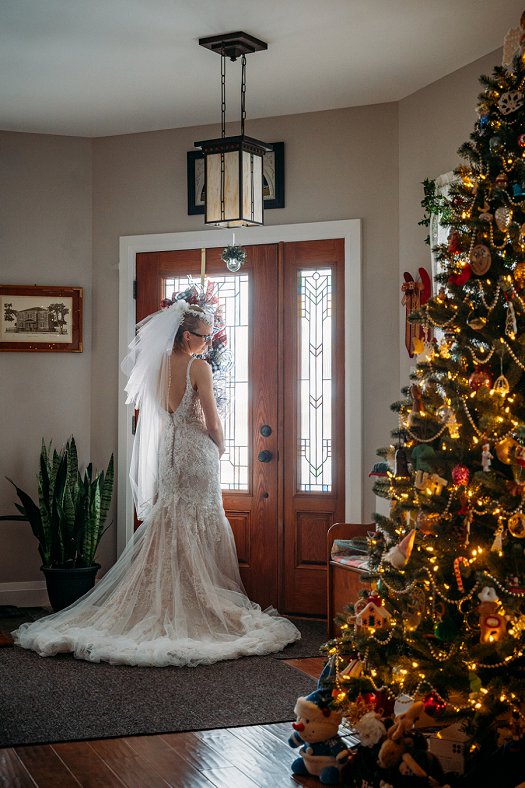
[
  {"x": 42, "y": 319},
  {"x": 273, "y": 174}
]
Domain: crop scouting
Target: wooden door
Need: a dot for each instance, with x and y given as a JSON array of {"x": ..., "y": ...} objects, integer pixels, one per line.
[{"x": 278, "y": 517}]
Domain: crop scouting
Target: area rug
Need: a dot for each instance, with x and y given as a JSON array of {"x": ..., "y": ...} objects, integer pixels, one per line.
[
  {"x": 313, "y": 635},
  {"x": 63, "y": 699}
]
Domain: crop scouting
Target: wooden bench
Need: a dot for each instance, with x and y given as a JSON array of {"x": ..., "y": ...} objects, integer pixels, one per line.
[{"x": 344, "y": 581}]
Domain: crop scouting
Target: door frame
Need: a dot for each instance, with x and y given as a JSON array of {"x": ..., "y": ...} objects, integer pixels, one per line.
[{"x": 350, "y": 231}]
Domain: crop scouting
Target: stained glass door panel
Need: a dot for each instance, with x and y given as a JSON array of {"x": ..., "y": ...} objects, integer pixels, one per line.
[{"x": 313, "y": 371}]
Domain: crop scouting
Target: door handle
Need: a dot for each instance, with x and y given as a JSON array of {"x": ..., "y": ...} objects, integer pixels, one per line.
[{"x": 265, "y": 456}]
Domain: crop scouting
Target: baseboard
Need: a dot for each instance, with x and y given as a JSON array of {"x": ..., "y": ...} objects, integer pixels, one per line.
[{"x": 30, "y": 593}]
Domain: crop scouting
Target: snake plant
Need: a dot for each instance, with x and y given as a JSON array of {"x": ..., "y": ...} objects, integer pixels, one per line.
[{"x": 68, "y": 521}]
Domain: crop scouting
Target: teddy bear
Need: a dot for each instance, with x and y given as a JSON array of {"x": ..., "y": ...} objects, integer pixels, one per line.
[{"x": 323, "y": 752}]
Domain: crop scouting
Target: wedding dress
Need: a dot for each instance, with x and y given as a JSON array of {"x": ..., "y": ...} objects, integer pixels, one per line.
[{"x": 175, "y": 595}]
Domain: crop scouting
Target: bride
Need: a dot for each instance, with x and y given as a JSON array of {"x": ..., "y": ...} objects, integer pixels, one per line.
[{"x": 175, "y": 596}]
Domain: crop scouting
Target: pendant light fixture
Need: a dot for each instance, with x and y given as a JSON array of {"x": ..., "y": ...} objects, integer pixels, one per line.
[{"x": 233, "y": 166}]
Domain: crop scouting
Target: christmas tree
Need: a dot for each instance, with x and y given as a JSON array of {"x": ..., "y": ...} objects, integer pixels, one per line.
[{"x": 444, "y": 623}]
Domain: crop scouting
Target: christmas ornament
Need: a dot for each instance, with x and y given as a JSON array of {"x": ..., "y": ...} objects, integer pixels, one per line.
[
  {"x": 399, "y": 554},
  {"x": 480, "y": 259},
  {"x": 492, "y": 624},
  {"x": 353, "y": 670},
  {"x": 483, "y": 111},
  {"x": 495, "y": 144},
  {"x": 434, "y": 704},
  {"x": 521, "y": 140},
  {"x": 380, "y": 469},
  {"x": 373, "y": 616},
  {"x": 501, "y": 180},
  {"x": 415, "y": 609},
  {"x": 460, "y": 474},
  {"x": 462, "y": 277},
  {"x": 502, "y": 217},
  {"x": 497, "y": 544},
  {"x": 486, "y": 457},
  {"x": 402, "y": 704},
  {"x": 417, "y": 405},
  {"x": 458, "y": 562},
  {"x": 447, "y": 415},
  {"x": 431, "y": 483},
  {"x": 511, "y": 326},
  {"x": 427, "y": 522},
  {"x": 233, "y": 256},
  {"x": 504, "y": 450},
  {"x": 475, "y": 321},
  {"x": 517, "y": 190},
  {"x": 454, "y": 243},
  {"x": 482, "y": 376},
  {"x": 486, "y": 217},
  {"x": 401, "y": 464},
  {"x": 519, "y": 272},
  {"x": 501, "y": 386},
  {"x": 516, "y": 525},
  {"x": 510, "y": 102},
  {"x": 415, "y": 294},
  {"x": 519, "y": 455},
  {"x": 422, "y": 456}
]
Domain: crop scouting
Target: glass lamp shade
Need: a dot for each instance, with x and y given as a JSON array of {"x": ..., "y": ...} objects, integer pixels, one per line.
[{"x": 234, "y": 180}]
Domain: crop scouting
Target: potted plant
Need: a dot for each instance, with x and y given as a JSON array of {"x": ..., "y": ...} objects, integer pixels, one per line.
[{"x": 68, "y": 522}]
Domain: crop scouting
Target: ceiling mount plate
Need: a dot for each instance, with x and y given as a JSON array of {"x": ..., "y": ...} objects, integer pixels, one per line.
[{"x": 233, "y": 44}]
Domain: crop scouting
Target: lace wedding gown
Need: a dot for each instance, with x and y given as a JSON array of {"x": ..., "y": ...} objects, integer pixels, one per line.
[{"x": 175, "y": 595}]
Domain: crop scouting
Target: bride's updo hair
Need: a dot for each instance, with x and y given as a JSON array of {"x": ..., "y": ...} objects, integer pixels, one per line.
[{"x": 191, "y": 323}]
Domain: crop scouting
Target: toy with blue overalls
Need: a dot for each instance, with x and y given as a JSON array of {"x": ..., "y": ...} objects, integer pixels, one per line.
[{"x": 316, "y": 730}]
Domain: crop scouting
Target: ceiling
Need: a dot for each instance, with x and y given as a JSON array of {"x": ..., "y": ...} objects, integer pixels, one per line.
[{"x": 103, "y": 67}]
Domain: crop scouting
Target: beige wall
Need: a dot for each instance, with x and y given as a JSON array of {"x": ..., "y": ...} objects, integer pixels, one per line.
[
  {"x": 365, "y": 162},
  {"x": 339, "y": 164},
  {"x": 45, "y": 238}
]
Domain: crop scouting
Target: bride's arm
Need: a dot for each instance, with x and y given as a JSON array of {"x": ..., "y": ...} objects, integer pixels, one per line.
[{"x": 204, "y": 386}]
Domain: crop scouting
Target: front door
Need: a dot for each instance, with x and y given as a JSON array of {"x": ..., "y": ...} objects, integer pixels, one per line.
[{"x": 282, "y": 474}]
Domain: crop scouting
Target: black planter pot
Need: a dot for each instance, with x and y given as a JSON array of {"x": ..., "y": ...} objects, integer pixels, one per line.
[{"x": 65, "y": 586}]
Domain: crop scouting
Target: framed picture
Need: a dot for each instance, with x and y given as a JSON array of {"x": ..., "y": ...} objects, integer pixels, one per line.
[
  {"x": 273, "y": 179},
  {"x": 42, "y": 319}
]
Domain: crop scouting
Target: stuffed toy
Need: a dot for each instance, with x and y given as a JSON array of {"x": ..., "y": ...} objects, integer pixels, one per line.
[
  {"x": 404, "y": 723},
  {"x": 323, "y": 752},
  {"x": 420, "y": 769}
]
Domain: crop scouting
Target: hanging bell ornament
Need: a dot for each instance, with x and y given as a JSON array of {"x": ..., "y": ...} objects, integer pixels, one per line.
[
  {"x": 480, "y": 259},
  {"x": 502, "y": 217},
  {"x": 401, "y": 463},
  {"x": 516, "y": 525},
  {"x": 501, "y": 386}
]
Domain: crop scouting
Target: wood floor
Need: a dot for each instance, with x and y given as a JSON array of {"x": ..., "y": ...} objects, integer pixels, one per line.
[{"x": 257, "y": 756}]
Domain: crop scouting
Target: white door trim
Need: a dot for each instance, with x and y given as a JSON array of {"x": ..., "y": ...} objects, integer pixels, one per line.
[{"x": 350, "y": 231}]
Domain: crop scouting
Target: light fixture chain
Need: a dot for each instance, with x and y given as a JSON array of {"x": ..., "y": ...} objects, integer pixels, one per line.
[
  {"x": 223, "y": 94},
  {"x": 243, "y": 92}
]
